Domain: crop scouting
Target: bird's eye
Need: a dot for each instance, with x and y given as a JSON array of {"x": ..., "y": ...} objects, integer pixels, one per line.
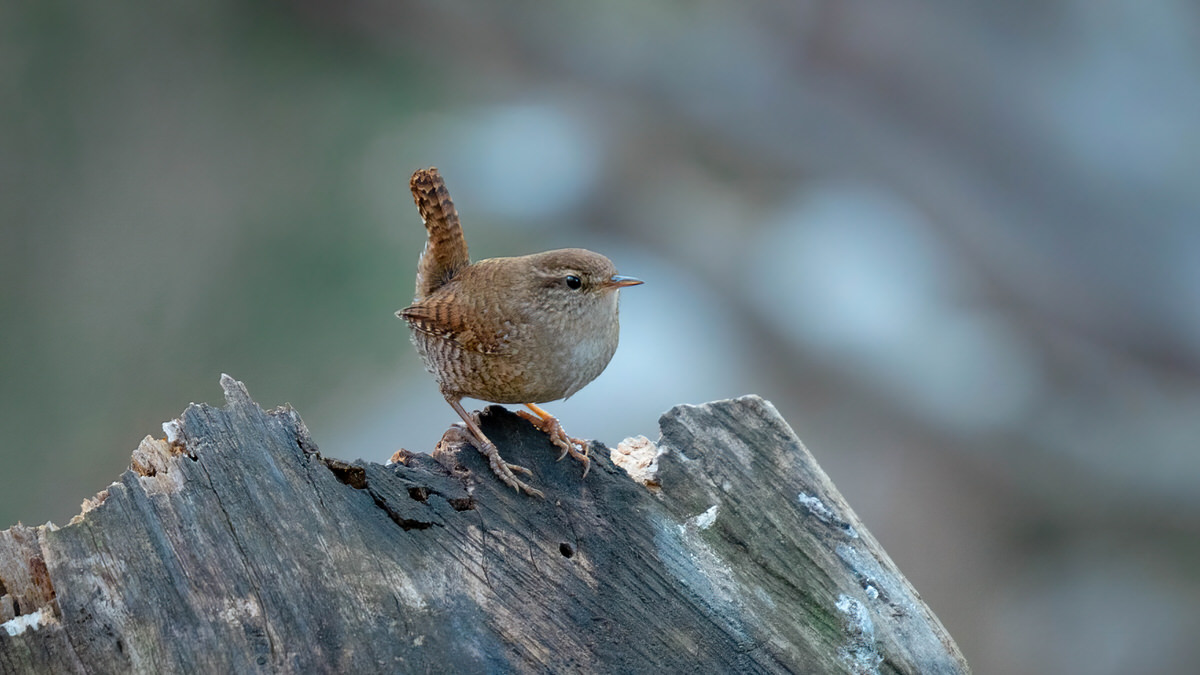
[{"x": 573, "y": 282}]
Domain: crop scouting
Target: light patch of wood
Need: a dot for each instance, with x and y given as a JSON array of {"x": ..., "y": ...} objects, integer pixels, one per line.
[{"x": 638, "y": 456}]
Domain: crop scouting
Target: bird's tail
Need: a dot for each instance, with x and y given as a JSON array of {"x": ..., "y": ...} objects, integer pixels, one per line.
[{"x": 445, "y": 251}]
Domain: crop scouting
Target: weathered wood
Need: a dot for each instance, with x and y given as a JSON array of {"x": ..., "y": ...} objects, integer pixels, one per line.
[{"x": 235, "y": 547}]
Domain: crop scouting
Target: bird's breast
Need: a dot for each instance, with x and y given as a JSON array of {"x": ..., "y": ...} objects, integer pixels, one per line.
[{"x": 584, "y": 352}]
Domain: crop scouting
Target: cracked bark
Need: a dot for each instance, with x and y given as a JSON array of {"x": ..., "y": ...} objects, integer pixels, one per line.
[{"x": 238, "y": 548}]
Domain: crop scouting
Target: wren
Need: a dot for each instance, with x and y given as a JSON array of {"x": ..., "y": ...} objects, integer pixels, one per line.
[{"x": 525, "y": 330}]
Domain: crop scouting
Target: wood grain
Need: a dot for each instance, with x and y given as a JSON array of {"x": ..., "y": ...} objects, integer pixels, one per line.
[{"x": 239, "y": 548}]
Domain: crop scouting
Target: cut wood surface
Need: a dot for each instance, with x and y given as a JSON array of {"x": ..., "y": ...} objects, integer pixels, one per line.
[{"x": 234, "y": 546}]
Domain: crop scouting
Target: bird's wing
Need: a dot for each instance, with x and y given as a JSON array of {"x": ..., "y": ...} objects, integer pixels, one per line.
[{"x": 441, "y": 316}]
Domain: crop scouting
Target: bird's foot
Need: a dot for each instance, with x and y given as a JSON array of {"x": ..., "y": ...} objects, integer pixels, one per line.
[
  {"x": 506, "y": 472},
  {"x": 550, "y": 426}
]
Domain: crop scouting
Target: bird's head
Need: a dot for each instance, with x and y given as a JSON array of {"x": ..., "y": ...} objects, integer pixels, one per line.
[{"x": 574, "y": 275}]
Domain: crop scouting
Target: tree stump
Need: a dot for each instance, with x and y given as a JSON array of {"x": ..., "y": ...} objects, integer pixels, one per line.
[{"x": 234, "y": 546}]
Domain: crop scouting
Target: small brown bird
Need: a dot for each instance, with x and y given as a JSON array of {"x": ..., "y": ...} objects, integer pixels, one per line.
[{"x": 526, "y": 330}]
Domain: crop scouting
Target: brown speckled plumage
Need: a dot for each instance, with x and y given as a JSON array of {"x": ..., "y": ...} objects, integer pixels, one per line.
[{"x": 528, "y": 329}]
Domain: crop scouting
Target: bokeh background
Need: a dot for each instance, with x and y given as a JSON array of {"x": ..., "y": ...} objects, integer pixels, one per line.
[{"x": 956, "y": 243}]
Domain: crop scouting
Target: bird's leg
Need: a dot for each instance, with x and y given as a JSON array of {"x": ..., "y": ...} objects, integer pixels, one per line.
[
  {"x": 502, "y": 469},
  {"x": 549, "y": 425}
]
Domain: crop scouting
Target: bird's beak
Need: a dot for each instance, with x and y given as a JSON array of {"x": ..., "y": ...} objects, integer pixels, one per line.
[{"x": 618, "y": 281}]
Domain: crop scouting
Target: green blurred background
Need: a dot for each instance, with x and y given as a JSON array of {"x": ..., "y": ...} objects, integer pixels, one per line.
[{"x": 957, "y": 244}]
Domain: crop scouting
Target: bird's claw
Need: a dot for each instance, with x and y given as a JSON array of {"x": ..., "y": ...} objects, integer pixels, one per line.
[
  {"x": 517, "y": 468},
  {"x": 575, "y": 447},
  {"x": 507, "y": 472},
  {"x": 457, "y": 435}
]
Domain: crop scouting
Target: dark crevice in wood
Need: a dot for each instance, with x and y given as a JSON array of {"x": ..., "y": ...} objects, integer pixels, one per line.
[
  {"x": 349, "y": 474},
  {"x": 421, "y": 474},
  {"x": 405, "y": 521}
]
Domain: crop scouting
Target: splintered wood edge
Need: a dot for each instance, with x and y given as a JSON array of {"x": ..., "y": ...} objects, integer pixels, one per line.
[
  {"x": 27, "y": 595},
  {"x": 876, "y": 604}
]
